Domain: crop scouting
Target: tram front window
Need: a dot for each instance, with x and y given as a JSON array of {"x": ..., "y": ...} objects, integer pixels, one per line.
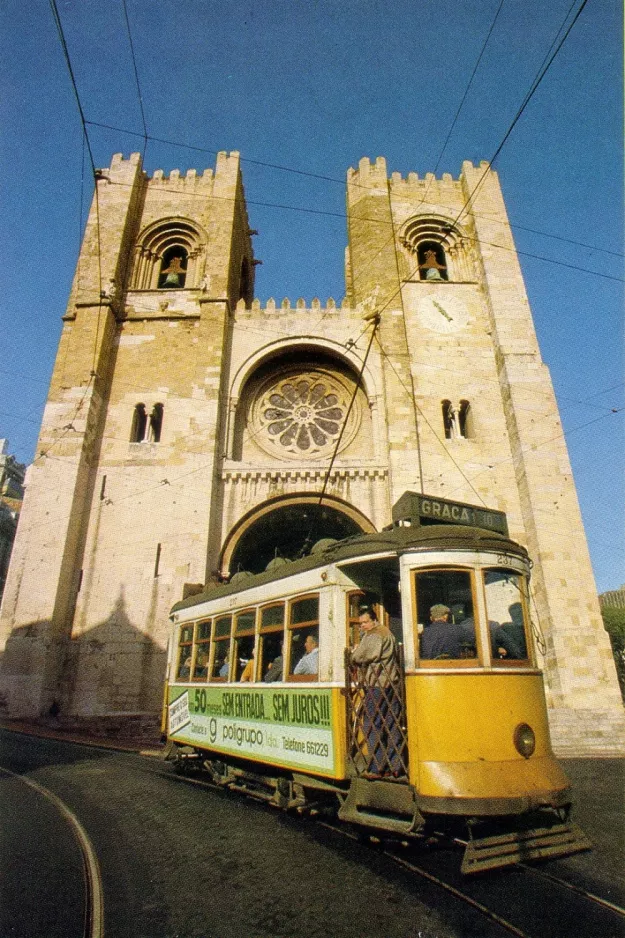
[
  {"x": 445, "y": 615},
  {"x": 507, "y": 619}
]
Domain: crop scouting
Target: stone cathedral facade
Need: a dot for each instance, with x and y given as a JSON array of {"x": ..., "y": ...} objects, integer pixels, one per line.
[{"x": 188, "y": 430}]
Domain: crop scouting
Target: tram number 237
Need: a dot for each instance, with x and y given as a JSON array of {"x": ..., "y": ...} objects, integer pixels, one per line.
[{"x": 503, "y": 560}]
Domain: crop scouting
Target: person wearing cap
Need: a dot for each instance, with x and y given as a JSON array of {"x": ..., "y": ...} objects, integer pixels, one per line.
[{"x": 441, "y": 638}]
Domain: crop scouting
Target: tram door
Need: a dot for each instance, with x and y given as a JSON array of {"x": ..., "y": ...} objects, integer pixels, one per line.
[{"x": 375, "y": 694}]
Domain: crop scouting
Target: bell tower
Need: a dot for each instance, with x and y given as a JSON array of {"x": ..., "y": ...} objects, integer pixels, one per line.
[
  {"x": 471, "y": 409},
  {"x": 136, "y": 390}
]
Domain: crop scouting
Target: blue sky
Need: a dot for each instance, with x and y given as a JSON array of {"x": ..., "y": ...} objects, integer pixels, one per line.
[{"x": 314, "y": 86}]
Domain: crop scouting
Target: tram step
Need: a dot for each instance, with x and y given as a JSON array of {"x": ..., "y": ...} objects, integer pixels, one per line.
[
  {"x": 382, "y": 805},
  {"x": 489, "y": 853}
]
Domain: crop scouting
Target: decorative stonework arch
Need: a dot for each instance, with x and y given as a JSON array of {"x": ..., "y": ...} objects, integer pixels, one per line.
[
  {"x": 304, "y": 343},
  {"x": 445, "y": 237},
  {"x": 296, "y": 410},
  {"x": 253, "y": 535},
  {"x": 162, "y": 239}
]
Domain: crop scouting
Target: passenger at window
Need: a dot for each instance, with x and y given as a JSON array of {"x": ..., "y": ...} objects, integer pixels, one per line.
[
  {"x": 248, "y": 671},
  {"x": 274, "y": 671},
  {"x": 442, "y": 638},
  {"x": 309, "y": 663},
  {"x": 510, "y": 636},
  {"x": 225, "y": 668},
  {"x": 376, "y": 656},
  {"x": 467, "y": 628},
  {"x": 201, "y": 665}
]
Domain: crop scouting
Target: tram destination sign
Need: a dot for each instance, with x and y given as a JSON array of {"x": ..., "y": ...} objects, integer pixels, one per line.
[{"x": 419, "y": 510}]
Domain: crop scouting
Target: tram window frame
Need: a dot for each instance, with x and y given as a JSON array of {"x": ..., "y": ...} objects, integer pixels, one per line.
[
  {"x": 508, "y": 662},
  {"x": 201, "y": 646},
  {"x": 185, "y": 646},
  {"x": 216, "y": 642},
  {"x": 308, "y": 626},
  {"x": 273, "y": 628},
  {"x": 477, "y": 661},
  {"x": 239, "y": 636}
]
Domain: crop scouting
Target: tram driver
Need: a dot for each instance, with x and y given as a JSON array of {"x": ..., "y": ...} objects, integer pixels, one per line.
[{"x": 441, "y": 638}]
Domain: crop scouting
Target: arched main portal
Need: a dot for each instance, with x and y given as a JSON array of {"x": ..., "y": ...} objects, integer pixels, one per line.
[{"x": 288, "y": 527}]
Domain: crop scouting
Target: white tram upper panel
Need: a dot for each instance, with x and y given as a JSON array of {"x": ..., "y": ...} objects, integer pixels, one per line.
[{"x": 402, "y": 571}]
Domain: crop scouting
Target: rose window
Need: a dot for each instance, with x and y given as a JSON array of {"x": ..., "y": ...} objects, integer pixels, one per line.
[{"x": 301, "y": 415}]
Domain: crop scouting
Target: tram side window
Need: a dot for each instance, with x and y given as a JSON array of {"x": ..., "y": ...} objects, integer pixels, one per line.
[
  {"x": 244, "y": 643},
  {"x": 303, "y": 644},
  {"x": 219, "y": 669},
  {"x": 202, "y": 650},
  {"x": 445, "y": 615},
  {"x": 271, "y": 643},
  {"x": 185, "y": 653},
  {"x": 507, "y": 618}
]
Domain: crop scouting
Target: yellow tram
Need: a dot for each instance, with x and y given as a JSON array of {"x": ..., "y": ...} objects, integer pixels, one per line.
[{"x": 263, "y": 694}]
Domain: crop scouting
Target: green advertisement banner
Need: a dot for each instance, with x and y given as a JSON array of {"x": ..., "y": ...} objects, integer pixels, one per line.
[{"x": 290, "y": 726}]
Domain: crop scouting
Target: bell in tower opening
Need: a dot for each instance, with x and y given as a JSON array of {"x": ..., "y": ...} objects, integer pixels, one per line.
[
  {"x": 173, "y": 275},
  {"x": 430, "y": 267}
]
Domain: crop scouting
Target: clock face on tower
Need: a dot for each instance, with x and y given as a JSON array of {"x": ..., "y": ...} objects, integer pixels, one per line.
[{"x": 445, "y": 315}]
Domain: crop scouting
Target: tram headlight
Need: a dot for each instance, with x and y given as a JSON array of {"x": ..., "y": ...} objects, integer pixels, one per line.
[{"x": 524, "y": 740}]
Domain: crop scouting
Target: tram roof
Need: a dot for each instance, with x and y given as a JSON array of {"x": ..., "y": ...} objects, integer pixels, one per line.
[{"x": 399, "y": 539}]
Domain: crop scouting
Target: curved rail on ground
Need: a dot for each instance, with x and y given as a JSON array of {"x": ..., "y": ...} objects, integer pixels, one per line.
[
  {"x": 424, "y": 874},
  {"x": 437, "y": 881},
  {"x": 591, "y": 896},
  {"x": 94, "y": 905}
]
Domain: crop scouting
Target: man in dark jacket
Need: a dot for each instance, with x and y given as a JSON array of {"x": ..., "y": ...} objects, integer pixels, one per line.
[{"x": 442, "y": 638}]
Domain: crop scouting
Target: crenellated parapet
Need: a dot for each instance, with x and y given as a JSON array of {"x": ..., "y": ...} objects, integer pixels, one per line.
[
  {"x": 286, "y": 307},
  {"x": 226, "y": 170},
  {"x": 370, "y": 174},
  {"x": 175, "y": 179}
]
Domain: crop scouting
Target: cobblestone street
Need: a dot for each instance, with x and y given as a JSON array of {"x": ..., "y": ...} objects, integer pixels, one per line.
[{"x": 182, "y": 861}]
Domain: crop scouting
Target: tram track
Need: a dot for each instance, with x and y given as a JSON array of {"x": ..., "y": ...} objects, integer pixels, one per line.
[
  {"x": 591, "y": 896},
  {"x": 437, "y": 881},
  {"x": 592, "y": 899},
  {"x": 93, "y": 920}
]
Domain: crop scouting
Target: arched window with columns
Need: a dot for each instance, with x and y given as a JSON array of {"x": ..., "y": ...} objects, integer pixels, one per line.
[
  {"x": 437, "y": 249},
  {"x": 169, "y": 256},
  {"x": 457, "y": 420},
  {"x": 146, "y": 428}
]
